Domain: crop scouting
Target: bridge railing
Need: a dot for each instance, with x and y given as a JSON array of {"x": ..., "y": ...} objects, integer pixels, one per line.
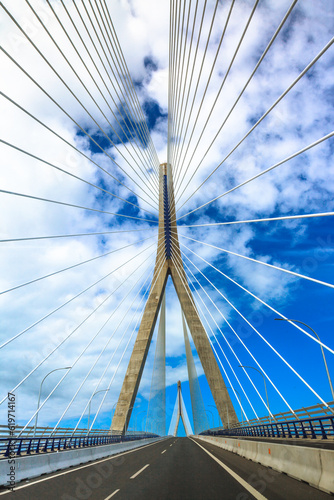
[
  {"x": 309, "y": 428},
  {"x": 16, "y": 447},
  {"x": 319, "y": 410},
  {"x": 47, "y": 431}
]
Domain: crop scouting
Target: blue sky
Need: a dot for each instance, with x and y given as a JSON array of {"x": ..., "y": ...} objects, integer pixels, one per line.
[{"x": 303, "y": 185}]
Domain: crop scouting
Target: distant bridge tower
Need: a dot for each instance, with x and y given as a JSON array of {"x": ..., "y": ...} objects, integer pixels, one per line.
[
  {"x": 181, "y": 413},
  {"x": 169, "y": 263}
]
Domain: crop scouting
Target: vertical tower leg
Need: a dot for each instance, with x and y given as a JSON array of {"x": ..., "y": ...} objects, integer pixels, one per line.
[
  {"x": 197, "y": 404},
  {"x": 213, "y": 375},
  {"x": 142, "y": 344},
  {"x": 156, "y": 410},
  {"x": 139, "y": 354}
]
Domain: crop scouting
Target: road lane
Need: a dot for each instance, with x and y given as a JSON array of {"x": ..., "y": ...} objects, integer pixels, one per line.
[
  {"x": 96, "y": 480},
  {"x": 184, "y": 472},
  {"x": 272, "y": 484},
  {"x": 255, "y": 493}
]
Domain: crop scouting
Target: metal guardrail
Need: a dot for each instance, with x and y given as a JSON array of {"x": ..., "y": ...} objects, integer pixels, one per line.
[
  {"x": 48, "y": 431},
  {"x": 309, "y": 428},
  {"x": 16, "y": 447},
  {"x": 319, "y": 410}
]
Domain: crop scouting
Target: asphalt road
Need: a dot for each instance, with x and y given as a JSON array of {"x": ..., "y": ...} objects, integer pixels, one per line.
[{"x": 172, "y": 469}]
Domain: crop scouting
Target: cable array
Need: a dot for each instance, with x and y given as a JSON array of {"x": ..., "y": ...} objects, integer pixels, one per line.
[
  {"x": 208, "y": 177},
  {"x": 81, "y": 190},
  {"x": 99, "y": 175}
]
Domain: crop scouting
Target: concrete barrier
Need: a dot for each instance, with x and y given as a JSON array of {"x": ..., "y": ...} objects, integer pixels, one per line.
[
  {"x": 31, "y": 466},
  {"x": 312, "y": 465},
  {"x": 327, "y": 471}
]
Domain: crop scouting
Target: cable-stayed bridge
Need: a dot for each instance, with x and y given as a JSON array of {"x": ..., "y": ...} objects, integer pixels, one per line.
[{"x": 167, "y": 195}]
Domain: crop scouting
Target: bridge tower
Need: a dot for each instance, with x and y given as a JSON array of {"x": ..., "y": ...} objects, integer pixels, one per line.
[
  {"x": 169, "y": 263},
  {"x": 181, "y": 412}
]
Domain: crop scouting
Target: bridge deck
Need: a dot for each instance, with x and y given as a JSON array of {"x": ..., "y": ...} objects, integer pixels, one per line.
[{"x": 176, "y": 468}]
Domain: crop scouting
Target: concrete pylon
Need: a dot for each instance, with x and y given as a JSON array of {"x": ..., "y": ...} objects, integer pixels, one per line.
[
  {"x": 181, "y": 413},
  {"x": 169, "y": 263}
]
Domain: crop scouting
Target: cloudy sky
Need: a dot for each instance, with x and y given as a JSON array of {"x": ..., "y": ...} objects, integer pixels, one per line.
[{"x": 84, "y": 125}]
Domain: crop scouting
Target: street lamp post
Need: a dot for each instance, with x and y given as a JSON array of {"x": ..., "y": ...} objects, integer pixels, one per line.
[
  {"x": 40, "y": 390},
  {"x": 241, "y": 410},
  {"x": 113, "y": 407},
  {"x": 142, "y": 411},
  {"x": 265, "y": 386},
  {"x": 149, "y": 419},
  {"x": 213, "y": 420},
  {"x": 212, "y": 406},
  {"x": 322, "y": 349},
  {"x": 102, "y": 390},
  {"x": 126, "y": 417},
  {"x": 228, "y": 419}
]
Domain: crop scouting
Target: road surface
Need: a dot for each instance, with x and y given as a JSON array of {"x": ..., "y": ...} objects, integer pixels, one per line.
[{"x": 171, "y": 469}]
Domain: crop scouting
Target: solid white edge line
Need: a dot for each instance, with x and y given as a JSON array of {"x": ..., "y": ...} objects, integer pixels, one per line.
[
  {"x": 116, "y": 491},
  {"x": 79, "y": 468},
  {"x": 243, "y": 483},
  {"x": 140, "y": 471}
]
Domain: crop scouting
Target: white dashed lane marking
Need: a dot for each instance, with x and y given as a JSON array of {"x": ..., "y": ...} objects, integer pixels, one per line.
[
  {"x": 114, "y": 493},
  {"x": 141, "y": 470}
]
